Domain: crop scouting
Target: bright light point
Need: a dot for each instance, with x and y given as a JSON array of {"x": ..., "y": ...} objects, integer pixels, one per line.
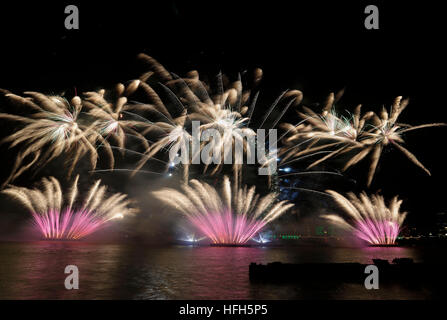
[
  {"x": 192, "y": 239},
  {"x": 118, "y": 216},
  {"x": 170, "y": 175},
  {"x": 260, "y": 239},
  {"x": 172, "y": 164}
]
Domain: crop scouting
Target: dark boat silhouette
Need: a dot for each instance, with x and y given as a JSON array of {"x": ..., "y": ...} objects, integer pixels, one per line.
[{"x": 402, "y": 271}]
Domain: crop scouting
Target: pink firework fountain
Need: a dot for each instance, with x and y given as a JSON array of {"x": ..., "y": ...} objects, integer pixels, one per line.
[
  {"x": 377, "y": 232},
  {"x": 57, "y": 220},
  {"x": 226, "y": 228},
  {"x": 232, "y": 218},
  {"x": 369, "y": 217}
]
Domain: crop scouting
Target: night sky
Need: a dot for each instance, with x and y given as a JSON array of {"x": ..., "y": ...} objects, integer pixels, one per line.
[{"x": 316, "y": 48}]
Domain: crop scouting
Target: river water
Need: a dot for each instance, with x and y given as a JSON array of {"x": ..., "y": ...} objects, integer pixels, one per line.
[{"x": 35, "y": 270}]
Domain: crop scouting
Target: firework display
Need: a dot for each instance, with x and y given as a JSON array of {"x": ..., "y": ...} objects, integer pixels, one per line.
[
  {"x": 225, "y": 111},
  {"x": 153, "y": 117},
  {"x": 370, "y": 219},
  {"x": 234, "y": 151},
  {"x": 355, "y": 137},
  {"x": 51, "y": 130},
  {"x": 228, "y": 109},
  {"x": 69, "y": 219},
  {"x": 232, "y": 217}
]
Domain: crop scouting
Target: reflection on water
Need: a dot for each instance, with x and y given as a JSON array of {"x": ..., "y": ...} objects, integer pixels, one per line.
[{"x": 35, "y": 270}]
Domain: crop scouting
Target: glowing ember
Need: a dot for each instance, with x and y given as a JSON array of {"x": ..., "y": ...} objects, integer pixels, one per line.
[{"x": 57, "y": 222}]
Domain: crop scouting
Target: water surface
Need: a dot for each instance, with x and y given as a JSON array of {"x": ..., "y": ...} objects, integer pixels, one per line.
[{"x": 35, "y": 270}]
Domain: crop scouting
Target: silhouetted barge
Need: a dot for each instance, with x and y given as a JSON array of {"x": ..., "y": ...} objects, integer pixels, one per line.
[{"x": 402, "y": 270}]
